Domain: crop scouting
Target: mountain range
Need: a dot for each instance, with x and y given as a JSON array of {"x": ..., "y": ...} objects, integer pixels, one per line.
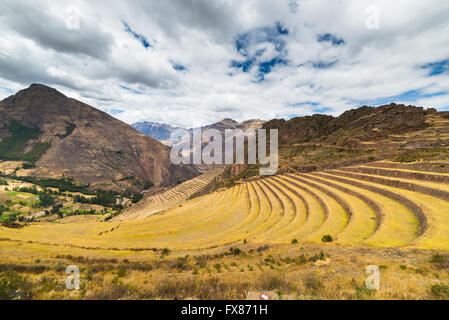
[
  {"x": 162, "y": 131},
  {"x": 44, "y": 134},
  {"x": 54, "y": 136}
]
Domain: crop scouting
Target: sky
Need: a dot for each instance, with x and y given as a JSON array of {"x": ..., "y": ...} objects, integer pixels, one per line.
[{"x": 194, "y": 62}]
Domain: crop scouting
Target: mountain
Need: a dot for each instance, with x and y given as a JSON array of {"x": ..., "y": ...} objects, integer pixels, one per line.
[
  {"x": 221, "y": 126},
  {"x": 158, "y": 131},
  {"x": 353, "y": 126},
  {"x": 232, "y": 124},
  {"x": 162, "y": 131},
  {"x": 54, "y": 135}
]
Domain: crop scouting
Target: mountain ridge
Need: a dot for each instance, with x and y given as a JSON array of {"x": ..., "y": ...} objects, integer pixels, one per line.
[{"x": 84, "y": 143}]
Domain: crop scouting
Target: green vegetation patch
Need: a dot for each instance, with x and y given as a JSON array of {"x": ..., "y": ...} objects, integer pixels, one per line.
[
  {"x": 103, "y": 198},
  {"x": 12, "y": 148},
  {"x": 14, "y": 286},
  {"x": 68, "y": 130},
  {"x": 64, "y": 184},
  {"x": 9, "y": 215},
  {"x": 439, "y": 291}
]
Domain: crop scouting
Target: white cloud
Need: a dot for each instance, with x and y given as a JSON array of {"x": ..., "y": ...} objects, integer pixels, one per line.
[{"x": 100, "y": 60}]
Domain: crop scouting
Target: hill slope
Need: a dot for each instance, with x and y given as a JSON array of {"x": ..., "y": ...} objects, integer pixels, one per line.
[
  {"x": 358, "y": 135},
  {"x": 56, "y": 135}
]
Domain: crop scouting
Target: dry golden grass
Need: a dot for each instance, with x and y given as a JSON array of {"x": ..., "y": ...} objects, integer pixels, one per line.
[{"x": 303, "y": 271}]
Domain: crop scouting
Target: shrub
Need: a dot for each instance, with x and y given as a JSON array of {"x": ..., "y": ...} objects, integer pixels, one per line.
[
  {"x": 272, "y": 281},
  {"x": 121, "y": 272},
  {"x": 439, "y": 291},
  {"x": 137, "y": 197},
  {"x": 218, "y": 267},
  {"x": 362, "y": 292},
  {"x": 45, "y": 199},
  {"x": 294, "y": 241},
  {"x": 235, "y": 251},
  {"x": 263, "y": 248},
  {"x": 437, "y": 258},
  {"x": 327, "y": 238},
  {"x": 175, "y": 288},
  {"x": 14, "y": 286},
  {"x": 317, "y": 257},
  {"x": 302, "y": 259},
  {"x": 148, "y": 184},
  {"x": 114, "y": 290},
  {"x": 313, "y": 284}
]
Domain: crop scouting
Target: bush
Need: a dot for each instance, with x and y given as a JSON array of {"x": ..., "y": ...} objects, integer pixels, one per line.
[
  {"x": 263, "y": 248},
  {"x": 439, "y": 291},
  {"x": 235, "y": 251},
  {"x": 45, "y": 200},
  {"x": 317, "y": 257},
  {"x": 294, "y": 241},
  {"x": 121, "y": 272},
  {"x": 437, "y": 258},
  {"x": 272, "y": 281},
  {"x": 327, "y": 238},
  {"x": 56, "y": 209},
  {"x": 14, "y": 286},
  {"x": 313, "y": 284},
  {"x": 137, "y": 197},
  {"x": 148, "y": 184}
]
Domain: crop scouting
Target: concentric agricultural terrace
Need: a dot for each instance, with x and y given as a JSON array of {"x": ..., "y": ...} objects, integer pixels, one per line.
[
  {"x": 169, "y": 199},
  {"x": 380, "y": 204}
]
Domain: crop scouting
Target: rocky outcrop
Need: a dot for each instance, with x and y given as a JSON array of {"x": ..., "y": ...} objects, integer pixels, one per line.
[{"x": 362, "y": 124}]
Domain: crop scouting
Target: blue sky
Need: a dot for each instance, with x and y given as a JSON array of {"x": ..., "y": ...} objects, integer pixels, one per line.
[{"x": 191, "y": 63}]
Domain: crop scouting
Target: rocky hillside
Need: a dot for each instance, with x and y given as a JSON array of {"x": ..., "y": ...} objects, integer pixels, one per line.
[
  {"x": 360, "y": 135},
  {"x": 54, "y": 135},
  {"x": 353, "y": 126}
]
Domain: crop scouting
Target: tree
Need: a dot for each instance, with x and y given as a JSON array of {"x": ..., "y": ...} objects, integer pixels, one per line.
[{"x": 45, "y": 199}]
